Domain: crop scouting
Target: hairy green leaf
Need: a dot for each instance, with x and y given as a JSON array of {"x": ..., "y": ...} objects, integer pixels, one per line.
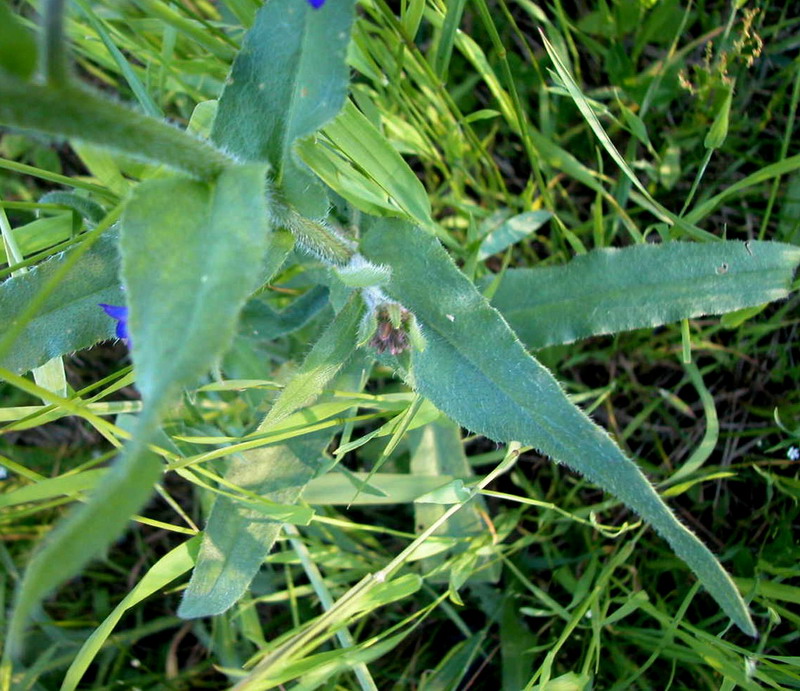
[
  {"x": 87, "y": 529},
  {"x": 261, "y": 322},
  {"x": 238, "y": 537},
  {"x": 288, "y": 80},
  {"x": 326, "y": 358},
  {"x": 475, "y": 370},
  {"x": 70, "y": 318},
  {"x": 191, "y": 256},
  {"x": 77, "y": 113},
  {"x": 611, "y": 290}
]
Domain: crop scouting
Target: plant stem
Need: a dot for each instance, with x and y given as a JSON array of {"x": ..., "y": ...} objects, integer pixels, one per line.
[
  {"x": 53, "y": 55},
  {"x": 75, "y": 112}
]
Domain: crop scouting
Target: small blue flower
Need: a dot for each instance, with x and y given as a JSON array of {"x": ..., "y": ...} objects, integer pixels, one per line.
[
  {"x": 316, "y": 4},
  {"x": 120, "y": 313}
]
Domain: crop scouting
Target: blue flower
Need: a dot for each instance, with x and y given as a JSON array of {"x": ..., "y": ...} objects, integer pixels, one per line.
[
  {"x": 120, "y": 313},
  {"x": 316, "y": 4}
]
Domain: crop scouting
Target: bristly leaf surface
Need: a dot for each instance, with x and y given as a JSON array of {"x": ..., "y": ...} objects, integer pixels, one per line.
[
  {"x": 475, "y": 370},
  {"x": 612, "y": 290},
  {"x": 289, "y": 79}
]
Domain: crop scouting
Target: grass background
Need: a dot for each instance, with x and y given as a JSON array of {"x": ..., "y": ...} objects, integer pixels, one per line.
[{"x": 593, "y": 608}]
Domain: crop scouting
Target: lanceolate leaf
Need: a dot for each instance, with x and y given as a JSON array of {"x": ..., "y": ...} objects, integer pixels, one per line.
[
  {"x": 191, "y": 256},
  {"x": 238, "y": 538},
  {"x": 261, "y": 322},
  {"x": 326, "y": 358},
  {"x": 289, "y": 79},
  {"x": 77, "y": 113},
  {"x": 613, "y": 290},
  {"x": 476, "y": 371},
  {"x": 70, "y": 318}
]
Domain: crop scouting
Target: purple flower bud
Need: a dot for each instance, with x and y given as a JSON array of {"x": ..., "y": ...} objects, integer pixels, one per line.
[
  {"x": 316, "y": 4},
  {"x": 120, "y": 313},
  {"x": 392, "y": 333}
]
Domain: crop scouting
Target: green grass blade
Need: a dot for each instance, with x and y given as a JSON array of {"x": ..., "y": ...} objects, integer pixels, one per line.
[
  {"x": 334, "y": 489},
  {"x": 171, "y": 566},
  {"x": 53, "y": 487},
  {"x": 444, "y": 49},
  {"x": 489, "y": 384},
  {"x": 774, "y": 170},
  {"x": 39, "y": 235},
  {"x": 612, "y": 290},
  {"x": 368, "y": 149},
  {"x": 145, "y": 101},
  {"x": 17, "y": 45},
  {"x": 436, "y": 451}
]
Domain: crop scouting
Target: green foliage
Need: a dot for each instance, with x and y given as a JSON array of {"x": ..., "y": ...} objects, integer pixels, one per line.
[
  {"x": 512, "y": 397},
  {"x": 324, "y": 389},
  {"x": 613, "y": 290},
  {"x": 17, "y": 45},
  {"x": 238, "y": 537},
  {"x": 68, "y": 319},
  {"x": 288, "y": 80},
  {"x": 191, "y": 255}
]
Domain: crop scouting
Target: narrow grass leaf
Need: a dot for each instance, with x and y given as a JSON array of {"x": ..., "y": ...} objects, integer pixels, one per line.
[
  {"x": 591, "y": 118},
  {"x": 476, "y": 371},
  {"x": 444, "y": 47},
  {"x": 449, "y": 673},
  {"x": 358, "y": 139},
  {"x": 171, "y": 566},
  {"x": 326, "y": 358},
  {"x": 52, "y": 487},
  {"x": 336, "y": 489},
  {"x": 612, "y": 290},
  {"x": 512, "y": 231},
  {"x": 17, "y": 45},
  {"x": 707, "y": 445},
  {"x": 774, "y": 170},
  {"x": 40, "y": 234},
  {"x": 145, "y": 100},
  {"x": 437, "y": 451},
  {"x": 70, "y": 318}
]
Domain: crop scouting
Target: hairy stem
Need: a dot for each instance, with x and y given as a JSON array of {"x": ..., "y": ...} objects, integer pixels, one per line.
[{"x": 77, "y": 113}]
